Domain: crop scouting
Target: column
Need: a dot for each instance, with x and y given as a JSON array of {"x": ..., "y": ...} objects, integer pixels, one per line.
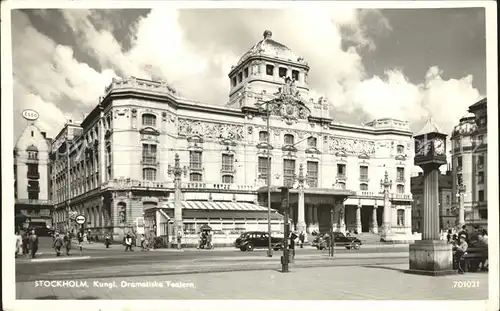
[
  {"x": 341, "y": 211},
  {"x": 374, "y": 219},
  {"x": 310, "y": 217},
  {"x": 358, "y": 217},
  {"x": 301, "y": 223},
  {"x": 387, "y": 216},
  {"x": 333, "y": 217},
  {"x": 461, "y": 208},
  {"x": 431, "y": 209},
  {"x": 408, "y": 219}
]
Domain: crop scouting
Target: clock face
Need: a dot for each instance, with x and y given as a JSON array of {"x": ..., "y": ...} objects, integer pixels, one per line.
[
  {"x": 422, "y": 147},
  {"x": 439, "y": 146}
]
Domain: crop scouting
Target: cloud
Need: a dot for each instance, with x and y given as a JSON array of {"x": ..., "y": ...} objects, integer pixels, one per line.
[{"x": 193, "y": 50}]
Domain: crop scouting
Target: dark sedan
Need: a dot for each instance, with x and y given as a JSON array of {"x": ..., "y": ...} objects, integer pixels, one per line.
[
  {"x": 339, "y": 239},
  {"x": 250, "y": 240}
]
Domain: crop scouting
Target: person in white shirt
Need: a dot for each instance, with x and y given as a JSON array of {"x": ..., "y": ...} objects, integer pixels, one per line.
[
  {"x": 19, "y": 243},
  {"x": 128, "y": 243}
]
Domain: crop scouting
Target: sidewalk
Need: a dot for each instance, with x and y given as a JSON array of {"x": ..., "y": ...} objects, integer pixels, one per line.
[{"x": 382, "y": 282}]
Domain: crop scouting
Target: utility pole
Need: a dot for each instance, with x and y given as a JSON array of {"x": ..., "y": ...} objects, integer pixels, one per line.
[
  {"x": 285, "y": 205},
  {"x": 268, "y": 128}
]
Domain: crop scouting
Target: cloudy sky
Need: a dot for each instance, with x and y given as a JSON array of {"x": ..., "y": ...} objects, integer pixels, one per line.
[{"x": 401, "y": 63}]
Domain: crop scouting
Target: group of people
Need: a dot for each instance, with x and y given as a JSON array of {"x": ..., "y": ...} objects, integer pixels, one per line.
[
  {"x": 27, "y": 243},
  {"x": 461, "y": 243},
  {"x": 205, "y": 240},
  {"x": 62, "y": 242}
]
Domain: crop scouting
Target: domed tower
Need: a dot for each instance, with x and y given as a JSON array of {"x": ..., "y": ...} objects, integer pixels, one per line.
[
  {"x": 261, "y": 72},
  {"x": 461, "y": 161}
]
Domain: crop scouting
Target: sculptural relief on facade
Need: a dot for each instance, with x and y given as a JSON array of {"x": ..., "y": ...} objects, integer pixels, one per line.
[
  {"x": 351, "y": 146},
  {"x": 188, "y": 127}
]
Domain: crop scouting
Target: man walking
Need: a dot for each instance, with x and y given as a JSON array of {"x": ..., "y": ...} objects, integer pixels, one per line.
[
  {"x": 293, "y": 236},
  {"x": 67, "y": 242},
  {"x": 179, "y": 239},
  {"x": 302, "y": 238},
  {"x": 128, "y": 243},
  {"x": 33, "y": 241},
  {"x": 58, "y": 243}
]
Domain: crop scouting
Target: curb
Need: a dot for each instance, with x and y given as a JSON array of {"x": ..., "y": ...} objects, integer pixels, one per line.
[{"x": 59, "y": 259}]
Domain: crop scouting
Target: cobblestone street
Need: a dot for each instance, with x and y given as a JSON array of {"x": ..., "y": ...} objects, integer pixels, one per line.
[{"x": 377, "y": 282}]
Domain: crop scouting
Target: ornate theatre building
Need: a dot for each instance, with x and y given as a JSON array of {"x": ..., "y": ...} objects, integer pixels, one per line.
[{"x": 121, "y": 168}]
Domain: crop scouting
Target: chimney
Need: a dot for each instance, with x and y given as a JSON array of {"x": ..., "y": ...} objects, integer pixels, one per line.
[{"x": 44, "y": 134}]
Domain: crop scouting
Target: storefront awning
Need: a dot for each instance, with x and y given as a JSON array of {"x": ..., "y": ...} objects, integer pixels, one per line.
[
  {"x": 228, "y": 215},
  {"x": 218, "y": 206}
]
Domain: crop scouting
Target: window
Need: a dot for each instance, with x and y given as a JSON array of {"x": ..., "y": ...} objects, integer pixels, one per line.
[
  {"x": 148, "y": 119},
  {"x": 483, "y": 214},
  {"x": 400, "y": 189},
  {"x": 32, "y": 195},
  {"x": 401, "y": 217},
  {"x": 400, "y": 149},
  {"x": 480, "y": 160},
  {"x": 33, "y": 186},
  {"x": 448, "y": 199},
  {"x": 482, "y": 121},
  {"x": 341, "y": 170},
  {"x": 312, "y": 174},
  {"x": 32, "y": 155},
  {"x": 480, "y": 195},
  {"x": 263, "y": 166},
  {"x": 149, "y": 154},
  {"x": 227, "y": 163},
  {"x": 480, "y": 177},
  {"x": 459, "y": 162},
  {"x": 400, "y": 174},
  {"x": 418, "y": 225},
  {"x": 458, "y": 142},
  {"x": 363, "y": 187},
  {"x": 418, "y": 213},
  {"x": 289, "y": 139},
  {"x": 240, "y": 77},
  {"x": 288, "y": 172},
  {"x": 149, "y": 174},
  {"x": 32, "y": 134},
  {"x": 479, "y": 140},
  {"x": 363, "y": 173},
  {"x": 227, "y": 179},
  {"x": 195, "y": 177},
  {"x": 295, "y": 75},
  {"x": 269, "y": 70},
  {"x": 448, "y": 212},
  {"x": 32, "y": 170},
  {"x": 282, "y": 72},
  {"x": 460, "y": 179},
  {"x": 263, "y": 136},
  {"x": 341, "y": 185},
  {"x": 195, "y": 160},
  {"x": 233, "y": 81},
  {"x": 312, "y": 142},
  {"x": 245, "y": 73}
]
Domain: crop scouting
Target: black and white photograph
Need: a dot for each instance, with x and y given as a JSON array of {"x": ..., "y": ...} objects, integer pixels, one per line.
[{"x": 286, "y": 154}]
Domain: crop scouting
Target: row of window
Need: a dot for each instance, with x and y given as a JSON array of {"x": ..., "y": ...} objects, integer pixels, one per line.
[
  {"x": 270, "y": 70},
  {"x": 363, "y": 172}
]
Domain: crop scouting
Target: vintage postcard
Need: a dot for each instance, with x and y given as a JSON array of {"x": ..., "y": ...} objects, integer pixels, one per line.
[{"x": 224, "y": 154}]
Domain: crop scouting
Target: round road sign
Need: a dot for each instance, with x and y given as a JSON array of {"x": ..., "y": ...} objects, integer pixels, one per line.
[{"x": 80, "y": 219}]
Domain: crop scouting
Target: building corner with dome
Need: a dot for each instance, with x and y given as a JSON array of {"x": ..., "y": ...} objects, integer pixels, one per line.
[{"x": 118, "y": 166}]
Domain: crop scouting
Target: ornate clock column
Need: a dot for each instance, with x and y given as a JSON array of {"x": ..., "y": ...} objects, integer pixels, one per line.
[{"x": 430, "y": 256}]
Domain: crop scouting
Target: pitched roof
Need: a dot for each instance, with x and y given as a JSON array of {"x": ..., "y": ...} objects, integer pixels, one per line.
[{"x": 429, "y": 127}]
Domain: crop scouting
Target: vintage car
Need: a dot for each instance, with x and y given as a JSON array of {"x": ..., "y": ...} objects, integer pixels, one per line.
[
  {"x": 250, "y": 240},
  {"x": 339, "y": 239}
]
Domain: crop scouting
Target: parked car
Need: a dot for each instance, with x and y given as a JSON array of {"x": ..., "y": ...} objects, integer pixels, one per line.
[
  {"x": 42, "y": 231},
  {"x": 340, "y": 240},
  {"x": 250, "y": 240}
]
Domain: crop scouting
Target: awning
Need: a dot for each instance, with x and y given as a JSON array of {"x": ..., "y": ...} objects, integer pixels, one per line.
[
  {"x": 187, "y": 214},
  {"x": 218, "y": 206}
]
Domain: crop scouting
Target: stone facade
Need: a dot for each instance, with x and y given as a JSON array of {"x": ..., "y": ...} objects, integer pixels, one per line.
[
  {"x": 121, "y": 165},
  {"x": 470, "y": 164}
]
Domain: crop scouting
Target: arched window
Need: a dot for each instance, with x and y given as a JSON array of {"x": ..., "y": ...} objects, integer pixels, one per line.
[
  {"x": 263, "y": 136},
  {"x": 122, "y": 212},
  {"x": 148, "y": 119},
  {"x": 341, "y": 185},
  {"x": 363, "y": 187},
  {"x": 400, "y": 189},
  {"x": 227, "y": 179},
  {"x": 401, "y": 217},
  {"x": 289, "y": 139},
  {"x": 400, "y": 149},
  {"x": 312, "y": 142},
  {"x": 149, "y": 174},
  {"x": 32, "y": 152}
]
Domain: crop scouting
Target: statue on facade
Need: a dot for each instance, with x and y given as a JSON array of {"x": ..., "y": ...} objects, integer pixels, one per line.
[{"x": 122, "y": 214}]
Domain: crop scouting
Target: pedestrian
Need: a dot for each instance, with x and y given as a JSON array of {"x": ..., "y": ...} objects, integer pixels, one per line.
[
  {"x": 89, "y": 236},
  {"x": 146, "y": 245},
  {"x": 143, "y": 239},
  {"x": 19, "y": 242},
  {"x": 464, "y": 232},
  {"x": 25, "y": 243},
  {"x": 58, "y": 243},
  {"x": 302, "y": 238},
  {"x": 293, "y": 236},
  {"x": 107, "y": 240},
  {"x": 209, "y": 240},
  {"x": 128, "y": 243},
  {"x": 67, "y": 242},
  {"x": 448, "y": 236},
  {"x": 483, "y": 245},
  {"x": 202, "y": 237},
  {"x": 459, "y": 251},
  {"x": 33, "y": 241},
  {"x": 179, "y": 239}
]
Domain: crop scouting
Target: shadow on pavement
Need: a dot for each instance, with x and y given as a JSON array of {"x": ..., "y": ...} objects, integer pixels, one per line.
[
  {"x": 53, "y": 297},
  {"x": 385, "y": 267}
]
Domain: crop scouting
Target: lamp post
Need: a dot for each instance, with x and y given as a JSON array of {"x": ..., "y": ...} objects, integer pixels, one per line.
[
  {"x": 301, "y": 223},
  {"x": 178, "y": 225},
  {"x": 386, "y": 184}
]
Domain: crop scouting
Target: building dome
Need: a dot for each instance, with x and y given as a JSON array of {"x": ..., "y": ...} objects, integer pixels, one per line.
[
  {"x": 466, "y": 126},
  {"x": 269, "y": 47},
  {"x": 32, "y": 148}
]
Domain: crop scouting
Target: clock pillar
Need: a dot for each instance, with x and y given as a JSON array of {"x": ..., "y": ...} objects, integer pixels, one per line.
[{"x": 430, "y": 256}]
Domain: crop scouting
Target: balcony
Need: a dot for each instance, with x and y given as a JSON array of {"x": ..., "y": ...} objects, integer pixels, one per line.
[
  {"x": 218, "y": 186},
  {"x": 401, "y": 197},
  {"x": 34, "y": 202},
  {"x": 33, "y": 188},
  {"x": 195, "y": 167},
  {"x": 400, "y": 180},
  {"x": 341, "y": 177},
  {"x": 150, "y": 162},
  {"x": 129, "y": 183},
  {"x": 33, "y": 175},
  {"x": 367, "y": 194},
  {"x": 228, "y": 170},
  {"x": 363, "y": 178}
]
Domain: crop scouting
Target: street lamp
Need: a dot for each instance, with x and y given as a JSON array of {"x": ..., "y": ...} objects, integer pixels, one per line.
[{"x": 461, "y": 209}]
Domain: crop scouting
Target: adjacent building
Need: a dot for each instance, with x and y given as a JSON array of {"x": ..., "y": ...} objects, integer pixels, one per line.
[
  {"x": 470, "y": 165},
  {"x": 120, "y": 168},
  {"x": 31, "y": 177},
  {"x": 447, "y": 215}
]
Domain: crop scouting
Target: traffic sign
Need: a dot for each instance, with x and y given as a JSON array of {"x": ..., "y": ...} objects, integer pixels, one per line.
[
  {"x": 30, "y": 114},
  {"x": 80, "y": 219}
]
